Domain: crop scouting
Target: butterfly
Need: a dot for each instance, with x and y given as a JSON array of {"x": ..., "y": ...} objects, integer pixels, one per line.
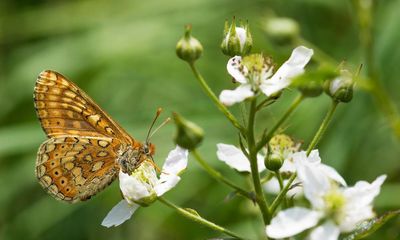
[{"x": 86, "y": 148}]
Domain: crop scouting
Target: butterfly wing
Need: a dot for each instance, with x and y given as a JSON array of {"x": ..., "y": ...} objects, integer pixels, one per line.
[
  {"x": 64, "y": 109},
  {"x": 74, "y": 168}
]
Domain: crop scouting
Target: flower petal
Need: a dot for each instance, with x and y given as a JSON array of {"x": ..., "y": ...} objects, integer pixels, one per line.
[
  {"x": 332, "y": 174},
  {"x": 119, "y": 214},
  {"x": 236, "y": 69},
  {"x": 327, "y": 231},
  {"x": 292, "y": 221},
  {"x": 176, "y": 161},
  {"x": 132, "y": 188},
  {"x": 293, "y": 67},
  {"x": 315, "y": 182},
  {"x": 230, "y": 97},
  {"x": 233, "y": 156},
  {"x": 166, "y": 183},
  {"x": 359, "y": 200}
]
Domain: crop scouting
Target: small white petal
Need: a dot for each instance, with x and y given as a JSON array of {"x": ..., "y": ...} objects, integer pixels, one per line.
[
  {"x": 332, "y": 174},
  {"x": 176, "y": 161},
  {"x": 288, "y": 166},
  {"x": 293, "y": 67},
  {"x": 327, "y": 231},
  {"x": 363, "y": 193},
  {"x": 166, "y": 183},
  {"x": 315, "y": 182},
  {"x": 358, "y": 205},
  {"x": 132, "y": 188},
  {"x": 233, "y": 156},
  {"x": 241, "y": 33},
  {"x": 230, "y": 97},
  {"x": 236, "y": 69},
  {"x": 119, "y": 214},
  {"x": 292, "y": 221}
]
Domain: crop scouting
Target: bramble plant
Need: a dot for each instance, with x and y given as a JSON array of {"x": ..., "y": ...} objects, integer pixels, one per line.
[{"x": 312, "y": 200}]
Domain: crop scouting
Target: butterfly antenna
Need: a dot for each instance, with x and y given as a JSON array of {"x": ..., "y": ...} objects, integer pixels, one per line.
[
  {"x": 160, "y": 126},
  {"x": 159, "y": 110}
]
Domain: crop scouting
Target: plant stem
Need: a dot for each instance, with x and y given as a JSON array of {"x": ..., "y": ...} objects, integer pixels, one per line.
[
  {"x": 282, "y": 194},
  {"x": 197, "y": 218},
  {"x": 219, "y": 177},
  {"x": 323, "y": 127},
  {"x": 216, "y": 101},
  {"x": 271, "y": 133},
  {"x": 262, "y": 203}
]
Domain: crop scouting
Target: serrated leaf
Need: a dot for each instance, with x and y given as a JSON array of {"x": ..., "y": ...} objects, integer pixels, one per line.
[{"x": 368, "y": 227}]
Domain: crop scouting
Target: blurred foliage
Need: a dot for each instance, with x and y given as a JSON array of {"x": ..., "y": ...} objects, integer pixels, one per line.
[{"x": 122, "y": 53}]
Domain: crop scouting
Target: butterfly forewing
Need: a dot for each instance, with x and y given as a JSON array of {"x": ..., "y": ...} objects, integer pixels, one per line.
[
  {"x": 64, "y": 109},
  {"x": 79, "y": 159}
]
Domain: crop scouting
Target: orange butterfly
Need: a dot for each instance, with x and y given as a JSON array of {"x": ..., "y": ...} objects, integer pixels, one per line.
[{"x": 86, "y": 148}]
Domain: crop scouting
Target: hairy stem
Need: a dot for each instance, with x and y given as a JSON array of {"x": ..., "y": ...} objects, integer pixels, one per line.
[{"x": 262, "y": 203}]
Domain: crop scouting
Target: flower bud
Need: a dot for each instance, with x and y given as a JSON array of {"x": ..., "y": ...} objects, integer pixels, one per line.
[
  {"x": 273, "y": 161},
  {"x": 311, "y": 83},
  {"x": 280, "y": 148},
  {"x": 189, "y": 48},
  {"x": 188, "y": 134},
  {"x": 341, "y": 88},
  {"x": 237, "y": 40},
  {"x": 282, "y": 30}
]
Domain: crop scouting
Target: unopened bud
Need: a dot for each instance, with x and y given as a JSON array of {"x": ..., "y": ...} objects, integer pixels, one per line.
[
  {"x": 311, "y": 83},
  {"x": 237, "y": 40},
  {"x": 189, "y": 48},
  {"x": 273, "y": 162},
  {"x": 341, "y": 88},
  {"x": 188, "y": 135}
]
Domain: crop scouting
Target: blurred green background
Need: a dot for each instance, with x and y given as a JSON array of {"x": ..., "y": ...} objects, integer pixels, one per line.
[{"x": 122, "y": 53}]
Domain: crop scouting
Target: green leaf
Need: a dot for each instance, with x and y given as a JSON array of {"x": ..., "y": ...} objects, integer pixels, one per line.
[{"x": 368, "y": 227}]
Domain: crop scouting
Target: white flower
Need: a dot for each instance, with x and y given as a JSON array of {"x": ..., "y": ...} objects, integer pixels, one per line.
[
  {"x": 235, "y": 158},
  {"x": 341, "y": 208},
  {"x": 143, "y": 187},
  {"x": 255, "y": 73}
]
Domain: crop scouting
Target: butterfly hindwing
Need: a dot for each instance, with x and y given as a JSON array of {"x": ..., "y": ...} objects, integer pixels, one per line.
[
  {"x": 64, "y": 109},
  {"x": 74, "y": 168}
]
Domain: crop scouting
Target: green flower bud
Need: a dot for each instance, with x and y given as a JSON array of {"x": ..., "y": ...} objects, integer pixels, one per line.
[
  {"x": 282, "y": 30},
  {"x": 280, "y": 148},
  {"x": 341, "y": 88},
  {"x": 189, "y": 48},
  {"x": 237, "y": 40},
  {"x": 273, "y": 162},
  {"x": 311, "y": 83},
  {"x": 188, "y": 134}
]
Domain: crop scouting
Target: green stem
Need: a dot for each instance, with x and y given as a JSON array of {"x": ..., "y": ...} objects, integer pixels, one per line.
[
  {"x": 323, "y": 127},
  {"x": 282, "y": 194},
  {"x": 216, "y": 101},
  {"x": 271, "y": 133},
  {"x": 262, "y": 203},
  {"x": 219, "y": 177},
  {"x": 197, "y": 218}
]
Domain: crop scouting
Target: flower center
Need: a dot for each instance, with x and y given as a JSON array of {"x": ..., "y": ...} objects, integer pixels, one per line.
[
  {"x": 259, "y": 67},
  {"x": 334, "y": 203}
]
